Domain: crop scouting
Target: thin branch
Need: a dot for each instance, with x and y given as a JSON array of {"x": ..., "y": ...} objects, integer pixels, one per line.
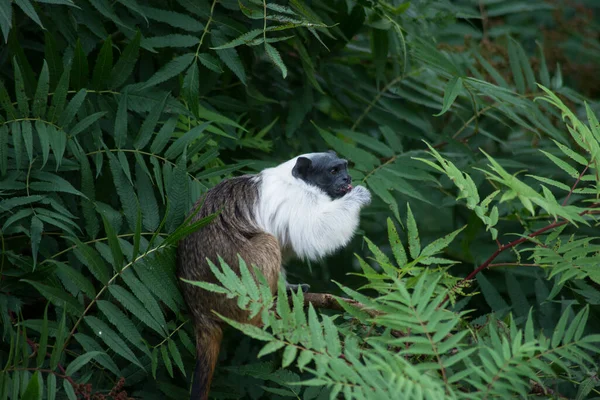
[
  {"x": 517, "y": 242},
  {"x": 330, "y": 302},
  {"x": 576, "y": 183}
]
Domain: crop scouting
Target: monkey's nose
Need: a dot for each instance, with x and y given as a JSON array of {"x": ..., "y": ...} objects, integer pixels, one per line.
[{"x": 347, "y": 179}]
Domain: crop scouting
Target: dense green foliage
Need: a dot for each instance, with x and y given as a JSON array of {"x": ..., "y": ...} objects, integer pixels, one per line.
[{"x": 474, "y": 124}]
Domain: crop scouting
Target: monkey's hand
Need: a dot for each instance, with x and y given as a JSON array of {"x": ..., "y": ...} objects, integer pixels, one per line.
[
  {"x": 291, "y": 287},
  {"x": 361, "y": 195}
]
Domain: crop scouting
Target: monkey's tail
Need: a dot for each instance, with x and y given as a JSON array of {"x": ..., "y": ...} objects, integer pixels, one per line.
[{"x": 208, "y": 344}]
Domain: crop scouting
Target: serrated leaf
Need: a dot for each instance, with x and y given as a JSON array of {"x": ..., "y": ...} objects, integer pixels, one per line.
[
  {"x": 275, "y": 57},
  {"x": 176, "y": 356},
  {"x": 58, "y": 297},
  {"x": 66, "y": 117},
  {"x": 124, "y": 66},
  {"x": 40, "y": 99},
  {"x": 37, "y": 227},
  {"x": 123, "y": 324},
  {"x": 171, "y": 69},
  {"x": 147, "y": 128},
  {"x": 515, "y": 66},
  {"x": 135, "y": 306},
  {"x": 22, "y": 100},
  {"x": 229, "y": 57},
  {"x": 120, "y": 130},
  {"x": 112, "y": 340},
  {"x": 191, "y": 87},
  {"x": 80, "y": 68},
  {"x": 34, "y": 388},
  {"x": 27, "y": 135},
  {"x": 289, "y": 355},
  {"x": 81, "y": 361},
  {"x": 5, "y": 18},
  {"x": 414, "y": 243},
  {"x": 210, "y": 62},
  {"x": 103, "y": 65},
  {"x": 86, "y": 123},
  {"x": 270, "y": 348},
  {"x": 453, "y": 89},
  {"x": 92, "y": 260}
]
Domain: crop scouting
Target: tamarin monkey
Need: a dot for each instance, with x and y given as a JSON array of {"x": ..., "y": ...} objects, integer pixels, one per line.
[{"x": 305, "y": 207}]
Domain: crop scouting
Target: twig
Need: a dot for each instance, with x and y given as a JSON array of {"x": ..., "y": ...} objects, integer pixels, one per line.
[
  {"x": 576, "y": 183},
  {"x": 330, "y": 302},
  {"x": 517, "y": 242}
]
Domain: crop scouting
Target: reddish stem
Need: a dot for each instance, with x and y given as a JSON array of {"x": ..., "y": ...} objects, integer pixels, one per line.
[
  {"x": 575, "y": 184},
  {"x": 514, "y": 243}
]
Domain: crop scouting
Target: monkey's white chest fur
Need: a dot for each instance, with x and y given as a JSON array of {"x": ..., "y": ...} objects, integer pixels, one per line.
[{"x": 302, "y": 217}]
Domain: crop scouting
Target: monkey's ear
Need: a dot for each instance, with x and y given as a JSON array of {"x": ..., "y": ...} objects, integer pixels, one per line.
[{"x": 301, "y": 168}]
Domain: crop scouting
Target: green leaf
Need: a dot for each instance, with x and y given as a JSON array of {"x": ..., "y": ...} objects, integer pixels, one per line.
[
  {"x": 121, "y": 122},
  {"x": 58, "y": 297},
  {"x": 149, "y": 124},
  {"x": 27, "y": 138},
  {"x": 51, "y": 387},
  {"x": 86, "y": 123},
  {"x": 59, "y": 98},
  {"x": 92, "y": 260},
  {"x": 171, "y": 69},
  {"x": 164, "y": 134},
  {"x": 191, "y": 87},
  {"x": 103, "y": 66},
  {"x": 105, "y": 8},
  {"x": 125, "y": 190},
  {"x": 210, "y": 62},
  {"x": 166, "y": 360},
  {"x": 58, "y": 143},
  {"x": 289, "y": 355},
  {"x": 52, "y": 183},
  {"x": 453, "y": 89},
  {"x": 66, "y": 117},
  {"x": 250, "y": 330},
  {"x": 115, "y": 246},
  {"x": 34, "y": 388},
  {"x": 123, "y": 324},
  {"x": 440, "y": 244},
  {"x": 3, "y": 149},
  {"x": 81, "y": 361},
  {"x": 174, "y": 19},
  {"x": 22, "y": 100},
  {"x": 80, "y": 69},
  {"x": 396, "y": 244},
  {"x": 40, "y": 99},
  {"x": 176, "y": 356},
  {"x": 171, "y": 40},
  {"x": 275, "y": 57},
  {"x": 5, "y": 18},
  {"x": 270, "y": 348},
  {"x": 515, "y": 66},
  {"x": 229, "y": 57},
  {"x": 28, "y": 9},
  {"x": 37, "y": 227},
  {"x": 135, "y": 306},
  {"x": 6, "y": 102},
  {"x": 414, "y": 243},
  {"x": 124, "y": 66},
  {"x": 112, "y": 340},
  {"x": 43, "y": 343}
]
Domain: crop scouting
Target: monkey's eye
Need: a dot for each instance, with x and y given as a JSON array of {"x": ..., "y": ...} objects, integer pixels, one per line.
[{"x": 334, "y": 170}]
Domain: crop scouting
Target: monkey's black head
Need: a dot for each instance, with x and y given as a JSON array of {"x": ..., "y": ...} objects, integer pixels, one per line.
[{"x": 326, "y": 171}]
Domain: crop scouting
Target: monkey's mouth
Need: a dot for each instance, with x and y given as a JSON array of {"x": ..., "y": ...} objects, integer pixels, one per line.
[{"x": 346, "y": 188}]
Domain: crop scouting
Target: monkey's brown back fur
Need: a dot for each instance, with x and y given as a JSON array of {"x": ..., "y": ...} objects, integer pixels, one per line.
[{"x": 233, "y": 232}]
